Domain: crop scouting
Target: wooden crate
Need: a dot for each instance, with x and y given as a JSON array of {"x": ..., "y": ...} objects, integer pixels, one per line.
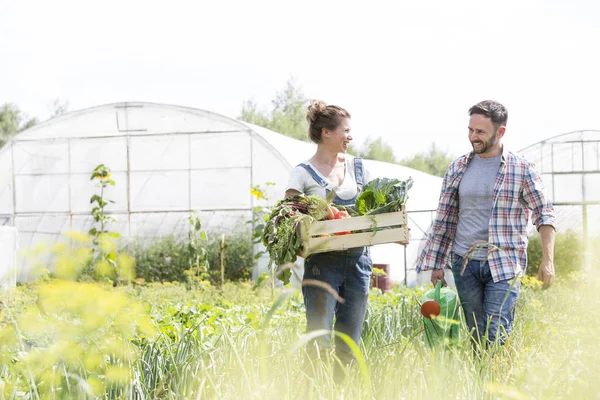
[{"x": 315, "y": 242}]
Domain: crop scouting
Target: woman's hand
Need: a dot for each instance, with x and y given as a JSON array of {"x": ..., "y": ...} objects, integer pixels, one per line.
[
  {"x": 291, "y": 192},
  {"x": 300, "y": 252}
]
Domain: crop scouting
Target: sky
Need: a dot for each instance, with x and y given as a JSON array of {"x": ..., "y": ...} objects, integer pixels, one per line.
[{"x": 408, "y": 71}]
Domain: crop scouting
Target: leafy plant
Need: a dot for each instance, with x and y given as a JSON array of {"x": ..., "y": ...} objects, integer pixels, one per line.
[
  {"x": 102, "y": 176},
  {"x": 75, "y": 341},
  {"x": 167, "y": 259},
  {"x": 237, "y": 255},
  {"x": 104, "y": 249},
  {"x": 281, "y": 236},
  {"x": 383, "y": 195},
  {"x": 260, "y": 216},
  {"x": 568, "y": 253},
  {"x": 93, "y": 341},
  {"x": 197, "y": 254},
  {"x": 162, "y": 259}
]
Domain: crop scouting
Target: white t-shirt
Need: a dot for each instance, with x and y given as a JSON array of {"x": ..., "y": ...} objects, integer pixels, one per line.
[{"x": 302, "y": 181}]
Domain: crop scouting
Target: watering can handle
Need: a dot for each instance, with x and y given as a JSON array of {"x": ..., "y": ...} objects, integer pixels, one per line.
[{"x": 438, "y": 287}]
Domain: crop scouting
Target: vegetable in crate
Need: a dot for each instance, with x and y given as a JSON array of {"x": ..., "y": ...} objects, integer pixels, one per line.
[
  {"x": 383, "y": 195},
  {"x": 281, "y": 235}
]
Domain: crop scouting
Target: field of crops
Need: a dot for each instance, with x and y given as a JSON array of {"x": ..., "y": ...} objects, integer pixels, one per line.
[{"x": 62, "y": 339}]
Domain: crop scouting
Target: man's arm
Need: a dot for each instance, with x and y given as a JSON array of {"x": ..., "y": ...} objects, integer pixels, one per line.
[
  {"x": 434, "y": 243},
  {"x": 544, "y": 219},
  {"x": 546, "y": 268},
  {"x": 534, "y": 194}
]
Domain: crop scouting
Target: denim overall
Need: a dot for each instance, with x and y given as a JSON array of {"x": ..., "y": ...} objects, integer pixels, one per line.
[{"x": 348, "y": 272}]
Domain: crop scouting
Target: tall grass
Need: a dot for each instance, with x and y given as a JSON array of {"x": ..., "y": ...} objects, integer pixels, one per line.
[{"x": 236, "y": 343}]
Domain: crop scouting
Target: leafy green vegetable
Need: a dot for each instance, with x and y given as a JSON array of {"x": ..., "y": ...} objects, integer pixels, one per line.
[
  {"x": 281, "y": 235},
  {"x": 383, "y": 195}
]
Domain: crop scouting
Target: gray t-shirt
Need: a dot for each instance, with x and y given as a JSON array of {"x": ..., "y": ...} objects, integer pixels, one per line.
[{"x": 476, "y": 199}]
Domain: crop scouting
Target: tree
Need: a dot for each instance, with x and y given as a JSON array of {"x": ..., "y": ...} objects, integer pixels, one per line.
[
  {"x": 58, "y": 107},
  {"x": 250, "y": 113},
  {"x": 377, "y": 149},
  {"x": 13, "y": 121},
  {"x": 432, "y": 161},
  {"x": 287, "y": 116},
  {"x": 289, "y": 112}
]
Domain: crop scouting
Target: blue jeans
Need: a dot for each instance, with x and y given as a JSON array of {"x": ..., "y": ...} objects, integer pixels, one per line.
[
  {"x": 348, "y": 273},
  {"x": 486, "y": 304}
]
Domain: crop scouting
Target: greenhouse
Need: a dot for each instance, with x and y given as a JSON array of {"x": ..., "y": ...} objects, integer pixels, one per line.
[
  {"x": 166, "y": 161},
  {"x": 570, "y": 167}
]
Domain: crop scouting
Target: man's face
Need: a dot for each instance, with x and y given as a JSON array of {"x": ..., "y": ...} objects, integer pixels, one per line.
[{"x": 482, "y": 135}]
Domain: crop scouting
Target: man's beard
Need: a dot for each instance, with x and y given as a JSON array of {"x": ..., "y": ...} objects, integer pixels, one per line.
[{"x": 486, "y": 146}]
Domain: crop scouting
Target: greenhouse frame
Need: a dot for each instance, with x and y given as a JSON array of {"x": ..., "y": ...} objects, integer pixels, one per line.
[{"x": 570, "y": 168}]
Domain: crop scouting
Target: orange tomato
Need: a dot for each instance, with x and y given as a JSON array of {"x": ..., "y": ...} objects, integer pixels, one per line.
[{"x": 342, "y": 214}]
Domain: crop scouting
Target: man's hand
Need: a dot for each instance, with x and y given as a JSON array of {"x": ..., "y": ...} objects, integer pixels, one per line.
[
  {"x": 546, "y": 273},
  {"x": 546, "y": 269},
  {"x": 438, "y": 275}
]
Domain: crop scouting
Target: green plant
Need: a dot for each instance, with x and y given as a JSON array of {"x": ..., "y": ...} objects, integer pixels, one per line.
[
  {"x": 75, "y": 341},
  {"x": 238, "y": 258},
  {"x": 236, "y": 342},
  {"x": 383, "y": 195},
  {"x": 568, "y": 253},
  {"x": 197, "y": 255},
  {"x": 163, "y": 259},
  {"x": 260, "y": 216},
  {"x": 104, "y": 250},
  {"x": 166, "y": 259},
  {"x": 102, "y": 176}
]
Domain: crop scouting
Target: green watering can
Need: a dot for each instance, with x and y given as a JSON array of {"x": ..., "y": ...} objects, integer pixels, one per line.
[{"x": 439, "y": 307}]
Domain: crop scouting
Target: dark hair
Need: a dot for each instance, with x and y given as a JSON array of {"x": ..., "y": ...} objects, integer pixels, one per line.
[
  {"x": 491, "y": 109},
  {"x": 321, "y": 115}
]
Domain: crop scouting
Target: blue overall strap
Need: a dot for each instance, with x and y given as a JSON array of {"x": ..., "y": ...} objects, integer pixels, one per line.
[
  {"x": 359, "y": 172},
  {"x": 314, "y": 174}
]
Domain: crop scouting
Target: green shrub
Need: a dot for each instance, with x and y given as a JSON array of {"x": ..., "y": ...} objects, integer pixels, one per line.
[
  {"x": 238, "y": 256},
  {"x": 161, "y": 259},
  {"x": 568, "y": 253},
  {"x": 166, "y": 259}
]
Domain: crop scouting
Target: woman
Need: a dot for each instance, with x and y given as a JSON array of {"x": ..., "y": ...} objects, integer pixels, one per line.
[{"x": 331, "y": 173}]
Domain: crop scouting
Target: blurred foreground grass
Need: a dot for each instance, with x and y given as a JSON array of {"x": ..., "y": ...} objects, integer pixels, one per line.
[{"x": 63, "y": 339}]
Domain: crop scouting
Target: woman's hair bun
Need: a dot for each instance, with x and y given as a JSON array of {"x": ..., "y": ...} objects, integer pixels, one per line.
[{"x": 316, "y": 108}]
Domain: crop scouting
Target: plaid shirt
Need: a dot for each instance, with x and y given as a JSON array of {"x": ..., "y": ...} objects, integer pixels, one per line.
[{"x": 518, "y": 193}]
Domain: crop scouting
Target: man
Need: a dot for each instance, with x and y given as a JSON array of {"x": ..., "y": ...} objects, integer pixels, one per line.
[{"x": 486, "y": 200}]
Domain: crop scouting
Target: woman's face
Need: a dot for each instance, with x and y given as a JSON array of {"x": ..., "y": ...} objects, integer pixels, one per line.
[{"x": 338, "y": 139}]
